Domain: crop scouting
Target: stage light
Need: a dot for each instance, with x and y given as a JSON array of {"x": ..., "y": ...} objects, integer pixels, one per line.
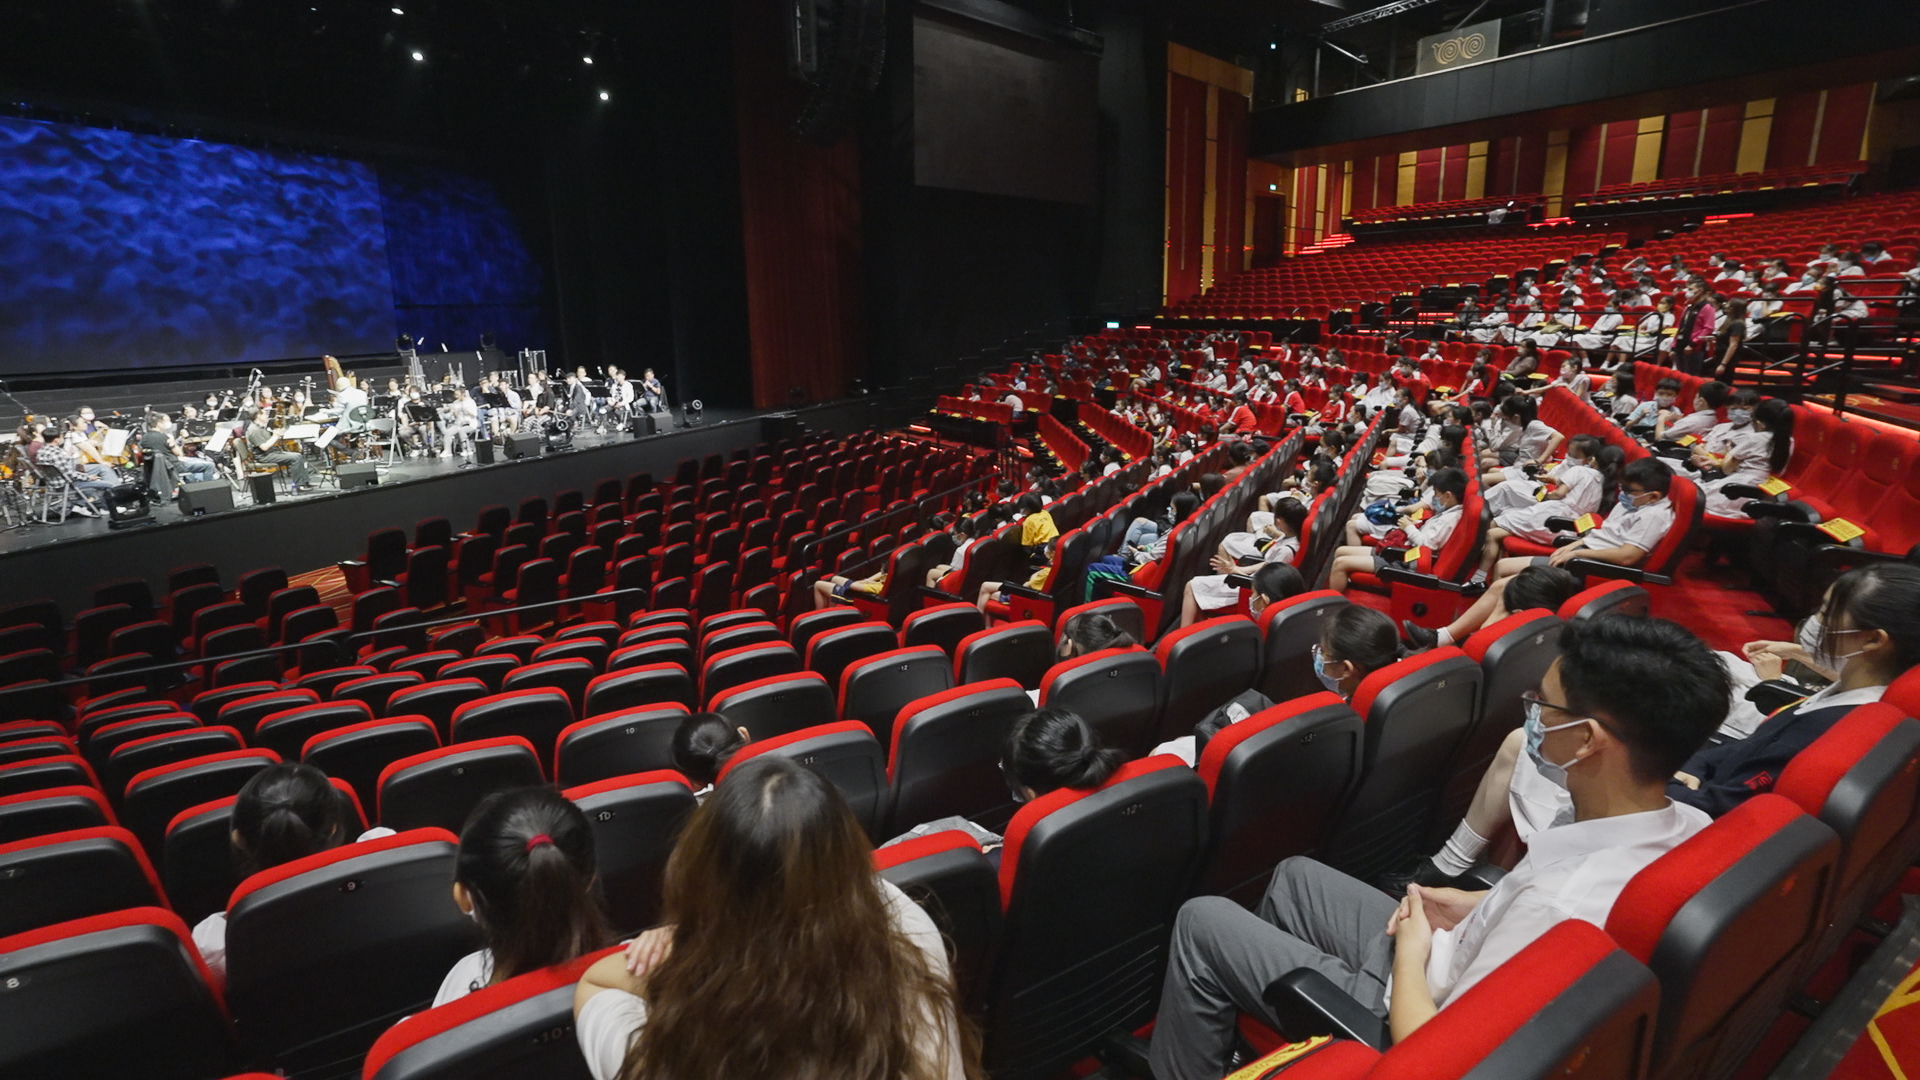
[
  {"x": 419, "y": 56},
  {"x": 604, "y": 96},
  {"x": 397, "y": 11},
  {"x": 586, "y": 59}
]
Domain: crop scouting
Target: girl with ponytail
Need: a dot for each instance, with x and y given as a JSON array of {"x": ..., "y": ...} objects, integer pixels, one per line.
[
  {"x": 525, "y": 873},
  {"x": 285, "y": 812}
]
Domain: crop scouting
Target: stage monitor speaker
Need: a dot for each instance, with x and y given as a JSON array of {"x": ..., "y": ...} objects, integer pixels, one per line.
[
  {"x": 483, "y": 451},
  {"x": 523, "y": 444},
  {"x": 207, "y": 497},
  {"x": 357, "y": 476},
  {"x": 264, "y": 493},
  {"x": 642, "y": 424}
]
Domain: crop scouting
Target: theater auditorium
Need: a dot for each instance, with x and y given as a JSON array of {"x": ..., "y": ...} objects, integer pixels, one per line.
[{"x": 960, "y": 540}]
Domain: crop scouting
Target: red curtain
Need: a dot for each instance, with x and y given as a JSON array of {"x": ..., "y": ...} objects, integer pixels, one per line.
[
  {"x": 800, "y": 209},
  {"x": 1792, "y": 135},
  {"x": 1186, "y": 184},
  {"x": 1583, "y": 159},
  {"x": 1230, "y": 183},
  {"x": 1426, "y": 176},
  {"x": 1453, "y": 183}
]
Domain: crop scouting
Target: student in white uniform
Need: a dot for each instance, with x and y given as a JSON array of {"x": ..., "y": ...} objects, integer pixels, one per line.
[
  {"x": 1705, "y": 415},
  {"x": 1449, "y": 488},
  {"x": 778, "y": 944},
  {"x": 284, "y": 812},
  {"x": 702, "y": 746},
  {"x": 1625, "y": 703},
  {"x": 1639, "y": 519},
  {"x": 1528, "y": 438},
  {"x": 1573, "y": 488},
  {"x": 1207, "y": 594},
  {"x": 525, "y": 874},
  {"x": 1749, "y": 457},
  {"x": 1574, "y": 480}
]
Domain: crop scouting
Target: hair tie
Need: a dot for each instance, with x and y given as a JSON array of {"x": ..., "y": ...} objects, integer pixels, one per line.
[{"x": 536, "y": 840}]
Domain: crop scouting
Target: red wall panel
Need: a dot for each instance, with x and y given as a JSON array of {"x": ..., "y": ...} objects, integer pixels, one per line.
[
  {"x": 1501, "y": 158},
  {"x": 1230, "y": 187},
  {"x": 1844, "y": 123},
  {"x": 1306, "y": 205},
  {"x": 1531, "y": 170},
  {"x": 1792, "y": 135},
  {"x": 1363, "y": 184},
  {"x": 1453, "y": 183},
  {"x": 1616, "y": 166},
  {"x": 1720, "y": 144},
  {"x": 1583, "y": 159},
  {"x": 1186, "y": 183},
  {"x": 1426, "y": 176},
  {"x": 1386, "y": 180},
  {"x": 1680, "y": 144}
]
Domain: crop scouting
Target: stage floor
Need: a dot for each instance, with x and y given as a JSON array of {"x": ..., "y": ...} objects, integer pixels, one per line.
[{"x": 24, "y": 537}]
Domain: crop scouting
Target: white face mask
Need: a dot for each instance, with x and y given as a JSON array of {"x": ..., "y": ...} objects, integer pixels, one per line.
[{"x": 1537, "y": 732}]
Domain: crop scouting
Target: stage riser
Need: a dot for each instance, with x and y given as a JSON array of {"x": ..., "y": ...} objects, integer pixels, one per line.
[{"x": 315, "y": 532}]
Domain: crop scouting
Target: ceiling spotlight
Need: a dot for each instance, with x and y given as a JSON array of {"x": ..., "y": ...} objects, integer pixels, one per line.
[
  {"x": 604, "y": 95},
  {"x": 397, "y": 11},
  {"x": 586, "y": 59},
  {"x": 418, "y": 55}
]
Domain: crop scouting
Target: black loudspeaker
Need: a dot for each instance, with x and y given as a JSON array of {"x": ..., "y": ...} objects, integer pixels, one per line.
[
  {"x": 641, "y": 423},
  {"x": 523, "y": 444},
  {"x": 208, "y": 497},
  {"x": 483, "y": 451},
  {"x": 261, "y": 484},
  {"x": 356, "y": 476}
]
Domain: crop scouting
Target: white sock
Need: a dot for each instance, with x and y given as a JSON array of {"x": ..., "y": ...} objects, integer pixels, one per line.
[
  {"x": 1461, "y": 851},
  {"x": 1442, "y": 636}
]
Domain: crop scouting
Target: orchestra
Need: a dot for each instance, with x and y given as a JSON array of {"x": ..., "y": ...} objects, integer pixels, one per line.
[{"x": 51, "y": 467}]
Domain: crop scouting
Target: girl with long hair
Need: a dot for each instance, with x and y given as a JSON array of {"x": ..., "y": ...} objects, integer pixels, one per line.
[
  {"x": 782, "y": 954},
  {"x": 525, "y": 874}
]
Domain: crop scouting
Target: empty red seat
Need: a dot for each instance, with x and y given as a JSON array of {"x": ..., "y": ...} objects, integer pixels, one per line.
[
  {"x": 357, "y": 753},
  {"x": 153, "y": 797},
  {"x": 326, "y": 952},
  {"x": 118, "y": 994},
  {"x": 1116, "y": 691},
  {"x": 1203, "y": 667},
  {"x": 1021, "y": 651},
  {"x": 438, "y": 788},
  {"x": 32, "y": 814},
  {"x": 618, "y": 743},
  {"x": 635, "y": 818},
  {"x": 873, "y": 690},
  {"x": 64, "y": 876}
]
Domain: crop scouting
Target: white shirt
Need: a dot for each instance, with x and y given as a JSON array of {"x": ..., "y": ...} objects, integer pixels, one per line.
[
  {"x": 1574, "y": 870},
  {"x": 1695, "y": 423},
  {"x": 1640, "y": 528},
  {"x": 609, "y": 1019},
  {"x": 1434, "y": 532},
  {"x": 471, "y": 972},
  {"x": 1533, "y": 440}
]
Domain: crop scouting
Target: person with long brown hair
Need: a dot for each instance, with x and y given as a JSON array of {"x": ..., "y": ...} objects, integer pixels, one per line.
[{"x": 782, "y": 954}]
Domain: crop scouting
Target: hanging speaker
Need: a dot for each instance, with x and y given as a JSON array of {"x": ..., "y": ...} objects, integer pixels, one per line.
[{"x": 847, "y": 43}]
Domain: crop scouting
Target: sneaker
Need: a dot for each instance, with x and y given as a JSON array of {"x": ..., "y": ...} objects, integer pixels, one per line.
[
  {"x": 1479, "y": 578},
  {"x": 1419, "y": 636},
  {"x": 1418, "y": 871},
  {"x": 84, "y": 510}
]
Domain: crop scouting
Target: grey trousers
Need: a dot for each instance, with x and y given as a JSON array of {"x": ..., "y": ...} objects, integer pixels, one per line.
[{"x": 1223, "y": 957}]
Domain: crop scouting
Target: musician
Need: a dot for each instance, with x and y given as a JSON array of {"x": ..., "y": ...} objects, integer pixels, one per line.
[
  {"x": 579, "y": 398},
  {"x": 417, "y": 432},
  {"x": 160, "y": 439},
  {"x": 462, "y": 420},
  {"x": 349, "y": 396},
  {"x": 87, "y": 425},
  {"x": 55, "y": 455},
  {"x": 652, "y": 394},
  {"x": 619, "y": 391},
  {"x": 539, "y": 399},
  {"x": 263, "y": 440},
  {"x": 86, "y": 450}
]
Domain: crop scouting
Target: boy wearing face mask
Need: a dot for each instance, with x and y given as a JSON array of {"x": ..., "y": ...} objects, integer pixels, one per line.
[
  {"x": 1448, "y": 488},
  {"x": 1626, "y": 700},
  {"x": 1643, "y": 417}
]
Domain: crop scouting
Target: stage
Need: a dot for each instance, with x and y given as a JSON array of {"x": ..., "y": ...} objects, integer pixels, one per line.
[{"x": 307, "y": 532}]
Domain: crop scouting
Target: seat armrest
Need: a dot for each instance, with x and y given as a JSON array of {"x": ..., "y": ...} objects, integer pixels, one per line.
[
  {"x": 1011, "y": 589},
  {"x": 1744, "y": 491},
  {"x": 1398, "y": 574},
  {"x": 1585, "y": 568},
  {"x": 1776, "y": 694},
  {"x": 1105, "y": 587},
  {"x": 1307, "y": 1003},
  {"x": 1481, "y": 875},
  {"x": 351, "y": 562}
]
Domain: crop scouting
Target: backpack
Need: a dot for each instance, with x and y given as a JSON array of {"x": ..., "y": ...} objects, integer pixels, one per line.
[{"x": 1106, "y": 568}]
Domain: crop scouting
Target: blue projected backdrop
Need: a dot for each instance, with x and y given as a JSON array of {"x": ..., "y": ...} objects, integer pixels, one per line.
[{"x": 125, "y": 250}]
